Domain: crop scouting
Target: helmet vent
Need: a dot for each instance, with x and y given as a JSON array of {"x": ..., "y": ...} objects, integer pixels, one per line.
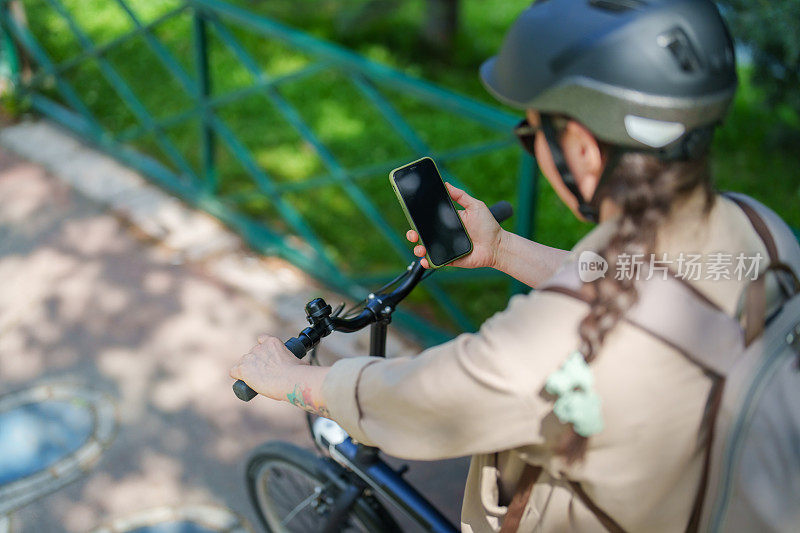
[
  {"x": 617, "y": 6},
  {"x": 677, "y": 42}
]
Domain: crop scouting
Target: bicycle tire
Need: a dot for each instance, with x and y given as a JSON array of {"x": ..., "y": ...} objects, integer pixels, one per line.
[{"x": 292, "y": 466}]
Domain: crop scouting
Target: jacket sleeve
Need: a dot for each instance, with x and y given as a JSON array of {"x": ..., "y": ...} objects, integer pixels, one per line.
[{"x": 478, "y": 393}]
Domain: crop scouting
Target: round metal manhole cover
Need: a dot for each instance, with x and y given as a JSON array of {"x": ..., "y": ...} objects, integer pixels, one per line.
[
  {"x": 49, "y": 435},
  {"x": 185, "y": 519}
]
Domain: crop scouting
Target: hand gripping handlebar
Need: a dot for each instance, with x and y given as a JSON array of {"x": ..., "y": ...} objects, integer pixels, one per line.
[{"x": 318, "y": 313}]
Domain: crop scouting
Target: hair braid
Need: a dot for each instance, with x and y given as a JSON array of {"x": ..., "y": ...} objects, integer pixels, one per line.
[{"x": 645, "y": 189}]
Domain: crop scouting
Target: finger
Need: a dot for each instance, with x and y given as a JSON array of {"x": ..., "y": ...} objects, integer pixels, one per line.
[
  {"x": 236, "y": 372},
  {"x": 460, "y": 197},
  {"x": 412, "y": 236},
  {"x": 419, "y": 250},
  {"x": 424, "y": 263},
  {"x": 263, "y": 338}
]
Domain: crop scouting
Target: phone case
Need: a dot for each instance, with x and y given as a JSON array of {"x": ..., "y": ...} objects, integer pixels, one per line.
[{"x": 411, "y": 221}]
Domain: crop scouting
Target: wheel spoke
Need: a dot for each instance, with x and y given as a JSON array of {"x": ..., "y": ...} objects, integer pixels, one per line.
[
  {"x": 292, "y": 490},
  {"x": 297, "y": 509}
]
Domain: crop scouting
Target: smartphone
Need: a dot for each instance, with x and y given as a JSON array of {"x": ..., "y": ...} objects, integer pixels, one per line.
[{"x": 430, "y": 211}]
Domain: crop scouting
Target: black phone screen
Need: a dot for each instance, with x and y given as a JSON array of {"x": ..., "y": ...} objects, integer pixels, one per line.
[{"x": 429, "y": 206}]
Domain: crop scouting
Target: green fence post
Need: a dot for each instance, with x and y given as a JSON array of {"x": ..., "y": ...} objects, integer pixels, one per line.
[
  {"x": 207, "y": 136},
  {"x": 9, "y": 60},
  {"x": 527, "y": 196}
]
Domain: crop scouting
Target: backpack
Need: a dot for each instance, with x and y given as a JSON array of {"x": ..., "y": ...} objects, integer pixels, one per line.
[{"x": 751, "y": 475}]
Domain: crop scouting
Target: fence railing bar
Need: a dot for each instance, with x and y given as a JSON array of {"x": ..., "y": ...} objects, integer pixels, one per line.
[
  {"x": 380, "y": 170},
  {"x": 230, "y": 40},
  {"x": 323, "y": 180},
  {"x": 101, "y": 49},
  {"x": 124, "y": 91},
  {"x": 160, "y": 51},
  {"x": 391, "y": 115},
  {"x": 475, "y": 149},
  {"x": 77, "y": 123},
  {"x": 357, "y": 174},
  {"x": 396, "y": 121},
  {"x": 340, "y": 176},
  {"x": 444, "y": 98},
  {"x": 265, "y": 183},
  {"x": 328, "y": 159},
  {"x": 135, "y": 132},
  {"x": 43, "y": 60}
]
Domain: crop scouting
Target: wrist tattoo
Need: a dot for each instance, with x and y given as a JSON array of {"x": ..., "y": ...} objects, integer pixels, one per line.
[{"x": 301, "y": 397}]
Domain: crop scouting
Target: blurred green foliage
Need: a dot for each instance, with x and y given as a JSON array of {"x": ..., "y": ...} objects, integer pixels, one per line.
[
  {"x": 387, "y": 32},
  {"x": 770, "y": 30}
]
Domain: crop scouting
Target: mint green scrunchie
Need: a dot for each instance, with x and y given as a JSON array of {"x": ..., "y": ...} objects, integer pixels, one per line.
[{"x": 577, "y": 404}]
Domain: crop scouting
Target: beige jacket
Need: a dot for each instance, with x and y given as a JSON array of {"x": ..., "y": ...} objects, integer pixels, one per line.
[{"x": 483, "y": 393}]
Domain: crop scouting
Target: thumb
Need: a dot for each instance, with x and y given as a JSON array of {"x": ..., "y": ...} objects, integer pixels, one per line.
[{"x": 461, "y": 197}]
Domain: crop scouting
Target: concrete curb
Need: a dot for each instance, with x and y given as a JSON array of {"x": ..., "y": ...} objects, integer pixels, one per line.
[
  {"x": 192, "y": 236},
  {"x": 106, "y": 181}
]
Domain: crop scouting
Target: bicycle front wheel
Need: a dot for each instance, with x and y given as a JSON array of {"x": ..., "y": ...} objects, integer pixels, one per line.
[{"x": 291, "y": 493}]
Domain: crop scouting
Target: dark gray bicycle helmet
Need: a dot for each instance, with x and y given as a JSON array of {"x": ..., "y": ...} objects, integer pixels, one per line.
[
  {"x": 652, "y": 75},
  {"x": 639, "y": 74}
]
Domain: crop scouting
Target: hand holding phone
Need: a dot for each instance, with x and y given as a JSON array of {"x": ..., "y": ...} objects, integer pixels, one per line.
[
  {"x": 426, "y": 203},
  {"x": 482, "y": 227}
]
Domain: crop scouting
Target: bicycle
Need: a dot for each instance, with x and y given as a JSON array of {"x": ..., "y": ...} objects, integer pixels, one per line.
[{"x": 292, "y": 489}]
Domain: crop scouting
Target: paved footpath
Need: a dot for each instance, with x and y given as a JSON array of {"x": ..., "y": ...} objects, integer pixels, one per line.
[{"x": 90, "y": 301}]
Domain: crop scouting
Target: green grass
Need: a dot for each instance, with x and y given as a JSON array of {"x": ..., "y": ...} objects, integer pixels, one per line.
[{"x": 746, "y": 158}]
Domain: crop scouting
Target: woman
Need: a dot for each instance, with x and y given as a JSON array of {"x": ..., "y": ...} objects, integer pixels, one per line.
[{"x": 621, "y": 99}]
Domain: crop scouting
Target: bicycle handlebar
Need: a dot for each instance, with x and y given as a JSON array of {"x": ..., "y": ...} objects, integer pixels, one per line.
[{"x": 378, "y": 307}]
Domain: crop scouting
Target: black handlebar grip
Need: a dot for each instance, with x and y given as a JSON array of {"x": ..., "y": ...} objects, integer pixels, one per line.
[
  {"x": 245, "y": 393},
  {"x": 296, "y": 346},
  {"x": 502, "y": 210},
  {"x": 242, "y": 391}
]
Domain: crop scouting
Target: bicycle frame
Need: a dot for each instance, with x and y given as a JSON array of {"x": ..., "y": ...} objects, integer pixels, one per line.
[{"x": 365, "y": 462}]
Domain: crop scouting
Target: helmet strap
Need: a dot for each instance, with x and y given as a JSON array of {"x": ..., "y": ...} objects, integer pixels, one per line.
[{"x": 588, "y": 210}]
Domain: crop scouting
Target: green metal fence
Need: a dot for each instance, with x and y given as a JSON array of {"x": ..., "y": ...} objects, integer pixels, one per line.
[{"x": 231, "y": 178}]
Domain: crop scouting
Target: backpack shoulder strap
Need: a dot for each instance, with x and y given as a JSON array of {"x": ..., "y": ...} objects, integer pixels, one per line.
[
  {"x": 520, "y": 499},
  {"x": 778, "y": 238},
  {"x": 784, "y": 261},
  {"x": 675, "y": 313},
  {"x": 522, "y": 493}
]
